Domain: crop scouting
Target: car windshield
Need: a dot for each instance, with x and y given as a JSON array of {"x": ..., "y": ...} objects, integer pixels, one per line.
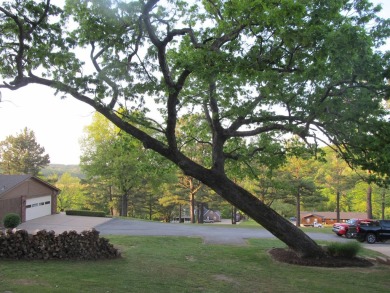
[{"x": 351, "y": 221}]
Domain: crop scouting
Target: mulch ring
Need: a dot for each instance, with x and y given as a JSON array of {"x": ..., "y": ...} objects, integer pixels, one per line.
[{"x": 290, "y": 257}]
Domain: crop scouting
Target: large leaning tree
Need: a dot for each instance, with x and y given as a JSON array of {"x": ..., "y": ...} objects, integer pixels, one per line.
[{"x": 251, "y": 68}]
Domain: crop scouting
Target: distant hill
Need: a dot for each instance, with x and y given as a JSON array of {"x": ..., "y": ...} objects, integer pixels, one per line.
[{"x": 60, "y": 169}]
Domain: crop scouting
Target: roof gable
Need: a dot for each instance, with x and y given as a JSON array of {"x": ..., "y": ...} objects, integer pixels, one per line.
[{"x": 9, "y": 182}]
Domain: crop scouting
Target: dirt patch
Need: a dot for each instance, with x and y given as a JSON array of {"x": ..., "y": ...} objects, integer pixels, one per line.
[
  {"x": 290, "y": 257},
  {"x": 225, "y": 278}
]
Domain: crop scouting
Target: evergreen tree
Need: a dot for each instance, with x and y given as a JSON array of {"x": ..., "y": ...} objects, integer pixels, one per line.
[{"x": 21, "y": 154}]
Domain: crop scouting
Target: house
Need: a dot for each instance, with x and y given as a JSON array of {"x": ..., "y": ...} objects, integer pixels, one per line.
[
  {"x": 182, "y": 219},
  {"x": 328, "y": 218},
  {"x": 209, "y": 215},
  {"x": 28, "y": 196}
]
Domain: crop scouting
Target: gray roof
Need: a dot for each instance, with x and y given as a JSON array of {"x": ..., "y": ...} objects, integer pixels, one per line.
[{"x": 8, "y": 182}]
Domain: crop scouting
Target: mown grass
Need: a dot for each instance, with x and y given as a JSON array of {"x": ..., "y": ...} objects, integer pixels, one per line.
[
  {"x": 252, "y": 224},
  {"x": 183, "y": 264}
]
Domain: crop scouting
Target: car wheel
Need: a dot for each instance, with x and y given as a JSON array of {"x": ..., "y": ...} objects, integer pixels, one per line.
[
  {"x": 371, "y": 238},
  {"x": 348, "y": 235}
]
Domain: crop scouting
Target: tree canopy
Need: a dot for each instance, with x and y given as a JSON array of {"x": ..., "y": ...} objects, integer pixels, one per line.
[
  {"x": 21, "y": 154},
  {"x": 250, "y": 68},
  {"x": 120, "y": 161}
]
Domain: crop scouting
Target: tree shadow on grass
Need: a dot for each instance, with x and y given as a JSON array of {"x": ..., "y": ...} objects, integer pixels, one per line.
[{"x": 288, "y": 256}]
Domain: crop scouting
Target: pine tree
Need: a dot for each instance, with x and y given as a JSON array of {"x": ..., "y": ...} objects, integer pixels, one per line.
[{"x": 21, "y": 154}]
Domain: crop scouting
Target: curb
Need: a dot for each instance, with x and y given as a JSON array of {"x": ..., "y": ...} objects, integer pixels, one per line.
[
  {"x": 379, "y": 259},
  {"x": 383, "y": 260}
]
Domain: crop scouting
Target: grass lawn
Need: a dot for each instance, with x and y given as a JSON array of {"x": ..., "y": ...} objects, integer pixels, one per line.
[
  {"x": 252, "y": 224},
  {"x": 183, "y": 264}
]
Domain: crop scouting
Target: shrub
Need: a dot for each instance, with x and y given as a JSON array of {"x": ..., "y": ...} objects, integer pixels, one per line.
[
  {"x": 85, "y": 213},
  {"x": 11, "y": 220},
  {"x": 348, "y": 250}
]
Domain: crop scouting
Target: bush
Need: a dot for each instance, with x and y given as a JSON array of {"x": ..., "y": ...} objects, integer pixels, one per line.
[
  {"x": 348, "y": 250},
  {"x": 85, "y": 213},
  {"x": 11, "y": 220}
]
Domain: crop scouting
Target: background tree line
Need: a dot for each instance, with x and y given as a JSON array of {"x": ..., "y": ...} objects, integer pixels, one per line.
[{"x": 120, "y": 177}]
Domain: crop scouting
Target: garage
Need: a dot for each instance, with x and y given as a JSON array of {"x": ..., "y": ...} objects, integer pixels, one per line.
[
  {"x": 28, "y": 196},
  {"x": 38, "y": 207}
]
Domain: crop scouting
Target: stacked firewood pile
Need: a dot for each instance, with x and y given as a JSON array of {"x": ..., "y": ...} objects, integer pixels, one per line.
[{"x": 87, "y": 245}]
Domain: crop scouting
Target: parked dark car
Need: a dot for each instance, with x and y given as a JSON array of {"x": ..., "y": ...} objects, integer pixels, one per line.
[{"x": 374, "y": 231}]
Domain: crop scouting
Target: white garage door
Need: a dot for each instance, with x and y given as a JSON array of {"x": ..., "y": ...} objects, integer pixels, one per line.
[{"x": 38, "y": 207}]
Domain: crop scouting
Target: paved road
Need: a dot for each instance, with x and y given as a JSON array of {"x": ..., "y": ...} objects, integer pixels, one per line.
[{"x": 211, "y": 234}]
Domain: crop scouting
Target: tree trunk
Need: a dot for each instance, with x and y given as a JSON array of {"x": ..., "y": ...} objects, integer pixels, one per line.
[
  {"x": 150, "y": 207},
  {"x": 124, "y": 205},
  {"x": 298, "y": 221},
  {"x": 200, "y": 213},
  {"x": 111, "y": 200},
  {"x": 234, "y": 212},
  {"x": 369, "y": 202},
  {"x": 280, "y": 227},
  {"x": 338, "y": 206},
  {"x": 192, "y": 207},
  {"x": 180, "y": 216},
  {"x": 383, "y": 203}
]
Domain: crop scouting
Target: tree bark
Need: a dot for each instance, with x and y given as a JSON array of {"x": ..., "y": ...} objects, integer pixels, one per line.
[
  {"x": 369, "y": 202},
  {"x": 338, "y": 206},
  {"x": 111, "y": 200},
  {"x": 298, "y": 221},
  {"x": 192, "y": 207},
  {"x": 200, "y": 212},
  {"x": 150, "y": 207},
  {"x": 383, "y": 203},
  {"x": 124, "y": 205},
  {"x": 234, "y": 212}
]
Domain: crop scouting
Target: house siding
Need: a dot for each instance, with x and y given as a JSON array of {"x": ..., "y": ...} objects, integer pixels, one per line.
[{"x": 11, "y": 205}]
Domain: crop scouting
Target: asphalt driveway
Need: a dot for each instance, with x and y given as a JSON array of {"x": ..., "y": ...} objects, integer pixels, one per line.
[
  {"x": 211, "y": 234},
  {"x": 61, "y": 222}
]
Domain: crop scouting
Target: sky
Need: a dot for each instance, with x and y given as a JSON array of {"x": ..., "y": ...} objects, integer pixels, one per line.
[{"x": 58, "y": 123}]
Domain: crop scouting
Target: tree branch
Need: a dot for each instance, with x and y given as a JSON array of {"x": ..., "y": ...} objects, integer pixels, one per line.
[
  {"x": 104, "y": 77},
  {"x": 34, "y": 24}
]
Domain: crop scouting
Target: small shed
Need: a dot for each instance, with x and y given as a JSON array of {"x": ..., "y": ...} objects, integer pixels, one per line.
[
  {"x": 28, "y": 196},
  {"x": 309, "y": 220}
]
